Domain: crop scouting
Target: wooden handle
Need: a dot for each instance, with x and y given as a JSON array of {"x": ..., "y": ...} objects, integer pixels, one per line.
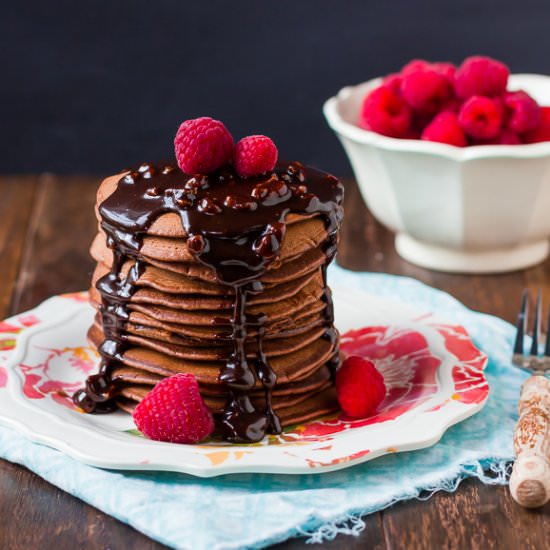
[{"x": 530, "y": 479}]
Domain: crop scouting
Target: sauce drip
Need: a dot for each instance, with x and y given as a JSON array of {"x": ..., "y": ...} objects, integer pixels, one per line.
[{"x": 235, "y": 226}]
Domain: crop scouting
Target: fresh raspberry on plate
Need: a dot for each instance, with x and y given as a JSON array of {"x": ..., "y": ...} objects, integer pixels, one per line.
[
  {"x": 481, "y": 117},
  {"x": 359, "y": 386},
  {"x": 426, "y": 91},
  {"x": 384, "y": 111},
  {"x": 542, "y": 131},
  {"x": 255, "y": 155},
  {"x": 444, "y": 128},
  {"x": 523, "y": 111},
  {"x": 174, "y": 411},
  {"x": 202, "y": 145},
  {"x": 480, "y": 75}
]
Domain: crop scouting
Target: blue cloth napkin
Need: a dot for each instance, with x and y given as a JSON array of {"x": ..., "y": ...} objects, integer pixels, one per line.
[{"x": 256, "y": 510}]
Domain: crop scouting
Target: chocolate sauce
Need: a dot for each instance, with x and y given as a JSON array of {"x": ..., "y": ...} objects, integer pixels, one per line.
[{"x": 235, "y": 226}]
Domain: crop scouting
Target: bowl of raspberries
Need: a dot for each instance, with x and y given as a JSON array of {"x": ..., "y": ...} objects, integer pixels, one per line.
[{"x": 455, "y": 160}]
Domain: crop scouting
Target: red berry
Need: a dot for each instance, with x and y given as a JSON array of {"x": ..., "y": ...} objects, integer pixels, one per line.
[
  {"x": 479, "y": 75},
  {"x": 523, "y": 111},
  {"x": 481, "y": 117},
  {"x": 393, "y": 81},
  {"x": 499, "y": 102},
  {"x": 174, "y": 411},
  {"x": 506, "y": 137},
  {"x": 415, "y": 65},
  {"x": 444, "y": 128},
  {"x": 412, "y": 134},
  {"x": 255, "y": 155},
  {"x": 359, "y": 386},
  {"x": 453, "y": 105},
  {"x": 420, "y": 121},
  {"x": 202, "y": 145},
  {"x": 384, "y": 111},
  {"x": 426, "y": 91},
  {"x": 448, "y": 70},
  {"x": 542, "y": 131}
]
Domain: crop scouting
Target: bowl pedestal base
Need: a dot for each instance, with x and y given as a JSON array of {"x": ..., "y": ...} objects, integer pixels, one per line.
[{"x": 471, "y": 261}]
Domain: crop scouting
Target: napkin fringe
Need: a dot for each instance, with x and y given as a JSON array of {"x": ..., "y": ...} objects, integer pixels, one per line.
[{"x": 496, "y": 472}]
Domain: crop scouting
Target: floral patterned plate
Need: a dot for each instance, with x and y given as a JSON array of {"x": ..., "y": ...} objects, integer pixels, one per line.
[{"x": 433, "y": 372}]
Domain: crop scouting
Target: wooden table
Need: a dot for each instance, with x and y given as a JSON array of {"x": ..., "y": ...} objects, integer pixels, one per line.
[{"x": 46, "y": 225}]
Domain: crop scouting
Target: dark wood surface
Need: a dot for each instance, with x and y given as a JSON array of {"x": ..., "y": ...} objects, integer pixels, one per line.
[{"x": 46, "y": 225}]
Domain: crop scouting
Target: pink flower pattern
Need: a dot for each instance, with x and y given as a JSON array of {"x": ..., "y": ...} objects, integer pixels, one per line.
[
  {"x": 409, "y": 368},
  {"x": 9, "y": 329},
  {"x": 470, "y": 383},
  {"x": 51, "y": 377}
]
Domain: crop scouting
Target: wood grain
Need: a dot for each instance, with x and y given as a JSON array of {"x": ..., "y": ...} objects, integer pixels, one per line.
[
  {"x": 16, "y": 202},
  {"x": 46, "y": 224},
  {"x": 60, "y": 230}
]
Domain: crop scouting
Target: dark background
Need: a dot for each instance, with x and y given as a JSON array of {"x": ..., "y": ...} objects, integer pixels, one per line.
[{"x": 96, "y": 86}]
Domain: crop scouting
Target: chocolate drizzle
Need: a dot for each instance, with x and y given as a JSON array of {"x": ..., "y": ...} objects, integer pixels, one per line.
[{"x": 235, "y": 226}]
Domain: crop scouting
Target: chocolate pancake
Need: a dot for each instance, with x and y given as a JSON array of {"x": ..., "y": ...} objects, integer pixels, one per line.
[
  {"x": 213, "y": 336},
  {"x": 221, "y": 277},
  {"x": 287, "y": 368},
  {"x": 281, "y": 272},
  {"x": 172, "y": 346},
  {"x": 168, "y": 224},
  {"x": 315, "y": 406},
  {"x": 306, "y": 301},
  {"x": 302, "y": 235},
  {"x": 168, "y": 289},
  {"x": 128, "y": 376}
]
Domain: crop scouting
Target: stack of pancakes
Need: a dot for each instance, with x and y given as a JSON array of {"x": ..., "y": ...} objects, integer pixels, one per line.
[{"x": 180, "y": 318}]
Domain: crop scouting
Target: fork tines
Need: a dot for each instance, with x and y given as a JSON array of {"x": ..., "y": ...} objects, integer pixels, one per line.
[{"x": 533, "y": 360}]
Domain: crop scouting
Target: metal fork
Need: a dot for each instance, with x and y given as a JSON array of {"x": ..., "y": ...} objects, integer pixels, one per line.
[{"x": 530, "y": 479}]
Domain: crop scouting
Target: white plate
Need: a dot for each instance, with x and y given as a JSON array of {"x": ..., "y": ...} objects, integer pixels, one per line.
[{"x": 433, "y": 372}]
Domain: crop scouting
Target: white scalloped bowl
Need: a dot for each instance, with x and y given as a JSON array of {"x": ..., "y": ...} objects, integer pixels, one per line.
[{"x": 475, "y": 209}]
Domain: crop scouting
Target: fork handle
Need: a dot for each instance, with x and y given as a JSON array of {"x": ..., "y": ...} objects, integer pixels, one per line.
[{"x": 530, "y": 479}]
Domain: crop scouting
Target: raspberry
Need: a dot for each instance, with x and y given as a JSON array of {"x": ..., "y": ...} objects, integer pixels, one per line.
[
  {"x": 420, "y": 121},
  {"x": 523, "y": 111},
  {"x": 202, "y": 145},
  {"x": 426, "y": 91},
  {"x": 481, "y": 117},
  {"x": 255, "y": 155},
  {"x": 453, "y": 105},
  {"x": 443, "y": 67},
  {"x": 412, "y": 134},
  {"x": 415, "y": 65},
  {"x": 174, "y": 411},
  {"x": 542, "y": 131},
  {"x": 384, "y": 111},
  {"x": 499, "y": 102},
  {"x": 479, "y": 75},
  {"x": 360, "y": 387},
  {"x": 444, "y": 128},
  {"x": 506, "y": 137},
  {"x": 448, "y": 70},
  {"x": 393, "y": 81}
]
